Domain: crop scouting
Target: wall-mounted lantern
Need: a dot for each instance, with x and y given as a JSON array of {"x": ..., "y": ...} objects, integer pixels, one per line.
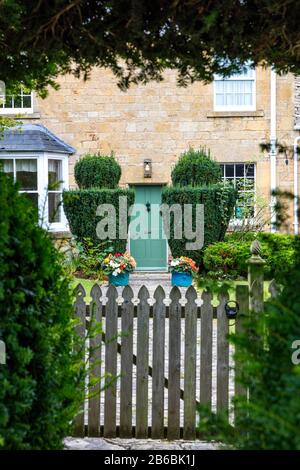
[{"x": 147, "y": 168}]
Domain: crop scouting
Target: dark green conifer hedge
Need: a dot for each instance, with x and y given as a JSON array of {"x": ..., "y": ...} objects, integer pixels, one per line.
[
  {"x": 39, "y": 385},
  {"x": 218, "y": 201},
  {"x": 81, "y": 207}
]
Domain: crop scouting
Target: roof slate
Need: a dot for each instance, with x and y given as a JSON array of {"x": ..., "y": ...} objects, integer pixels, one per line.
[{"x": 32, "y": 137}]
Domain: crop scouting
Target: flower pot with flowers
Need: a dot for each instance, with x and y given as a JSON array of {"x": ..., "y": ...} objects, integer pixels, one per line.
[
  {"x": 117, "y": 267},
  {"x": 183, "y": 270}
]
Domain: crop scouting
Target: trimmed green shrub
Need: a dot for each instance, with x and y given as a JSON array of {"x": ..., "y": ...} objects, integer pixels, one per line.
[
  {"x": 218, "y": 201},
  {"x": 229, "y": 259},
  {"x": 81, "y": 206},
  {"x": 196, "y": 168},
  {"x": 40, "y": 388},
  {"x": 97, "y": 171},
  {"x": 224, "y": 260}
]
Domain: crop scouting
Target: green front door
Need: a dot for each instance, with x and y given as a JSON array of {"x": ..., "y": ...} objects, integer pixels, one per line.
[{"x": 148, "y": 244}]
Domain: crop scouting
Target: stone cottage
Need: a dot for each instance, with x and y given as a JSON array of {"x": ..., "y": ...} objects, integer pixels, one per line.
[{"x": 149, "y": 126}]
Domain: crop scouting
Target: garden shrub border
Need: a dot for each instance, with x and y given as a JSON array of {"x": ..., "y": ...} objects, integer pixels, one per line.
[{"x": 228, "y": 259}]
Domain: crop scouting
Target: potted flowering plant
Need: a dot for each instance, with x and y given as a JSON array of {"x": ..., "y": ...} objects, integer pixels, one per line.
[
  {"x": 117, "y": 267},
  {"x": 183, "y": 270}
]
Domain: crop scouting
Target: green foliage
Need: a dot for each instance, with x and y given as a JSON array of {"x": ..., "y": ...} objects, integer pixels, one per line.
[
  {"x": 196, "y": 168},
  {"x": 228, "y": 259},
  {"x": 139, "y": 40},
  {"x": 40, "y": 384},
  {"x": 270, "y": 419},
  {"x": 96, "y": 171},
  {"x": 237, "y": 236},
  {"x": 85, "y": 259},
  {"x": 280, "y": 254},
  {"x": 6, "y": 122},
  {"x": 81, "y": 205},
  {"x": 218, "y": 201},
  {"x": 224, "y": 260}
]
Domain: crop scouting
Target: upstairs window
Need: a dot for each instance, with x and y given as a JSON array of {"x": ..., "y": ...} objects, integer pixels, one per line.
[
  {"x": 21, "y": 103},
  {"x": 235, "y": 93}
]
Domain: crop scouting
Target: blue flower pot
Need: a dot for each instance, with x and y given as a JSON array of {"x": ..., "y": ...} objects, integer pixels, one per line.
[
  {"x": 119, "y": 280},
  {"x": 181, "y": 279}
]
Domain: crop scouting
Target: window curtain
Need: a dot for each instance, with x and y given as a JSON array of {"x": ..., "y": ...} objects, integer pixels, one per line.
[
  {"x": 54, "y": 172},
  {"x": 22, "y": 165},
  {"x": 8, "y": 166},
  {"x": 234, "y": 92},
  {"x": 29, "y": 166}
]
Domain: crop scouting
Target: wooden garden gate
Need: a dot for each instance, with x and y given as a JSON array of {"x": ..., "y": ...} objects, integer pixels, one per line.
[{"x": 166, "y": 355}]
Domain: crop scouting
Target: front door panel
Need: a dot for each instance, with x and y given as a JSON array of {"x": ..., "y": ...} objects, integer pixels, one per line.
[{"x": 150, "y": 251}]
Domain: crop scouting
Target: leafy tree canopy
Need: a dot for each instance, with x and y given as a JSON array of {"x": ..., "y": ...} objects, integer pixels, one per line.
[{"x": 138, "y": 39}]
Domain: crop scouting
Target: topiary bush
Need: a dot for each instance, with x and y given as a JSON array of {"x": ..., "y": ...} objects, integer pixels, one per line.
[
  {"x": 229, "y": 259},
  {"x": 219, "y": 201},
  {"x": 40, "y": 388},
  {"x": 81, "y": 206},
  {"x": 96, "y": 171},
  {"x": 196, "y": 168}
]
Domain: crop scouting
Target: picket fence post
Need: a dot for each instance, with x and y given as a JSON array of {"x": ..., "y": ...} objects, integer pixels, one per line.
[
  {"x": 256, "y": 278},
  {"x": 80, "y": 316}
]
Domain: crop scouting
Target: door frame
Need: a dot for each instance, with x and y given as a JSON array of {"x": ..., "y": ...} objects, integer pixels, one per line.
[{"x": 154, "y": 269}]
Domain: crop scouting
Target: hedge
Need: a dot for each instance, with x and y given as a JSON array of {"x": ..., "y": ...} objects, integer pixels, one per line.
[
  {"x": 229, "y": 258},
  {"x": 97, "y": 171},
  {"x": 80, "y": 208},
  {"x": 39, "y": 391},
  {"x": 218, "y": 200}
]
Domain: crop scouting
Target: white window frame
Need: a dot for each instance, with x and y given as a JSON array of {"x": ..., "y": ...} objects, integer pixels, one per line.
[
  {"x": 14, "y": 110},
  {"x": 42, "y": 178},
  {"x": 240, "y": 77},
  {"x": 236, "y": 221}
]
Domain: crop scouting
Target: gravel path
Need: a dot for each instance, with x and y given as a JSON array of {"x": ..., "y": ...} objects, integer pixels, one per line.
[{"x": 90, "y": 443}]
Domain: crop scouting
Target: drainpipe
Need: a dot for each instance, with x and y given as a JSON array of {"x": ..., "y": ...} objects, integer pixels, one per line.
[
  {"x": 296, "y": 222},
  {"x": 273, "y": 138}
]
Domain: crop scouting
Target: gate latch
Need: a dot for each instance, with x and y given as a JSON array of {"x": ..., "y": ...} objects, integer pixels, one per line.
[{"x": 231, "y": 309}]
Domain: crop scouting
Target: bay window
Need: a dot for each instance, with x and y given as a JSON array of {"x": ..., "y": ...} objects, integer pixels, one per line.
[
  {"x": 42, "y": 177},
  {"x": 54, "y": 190}
]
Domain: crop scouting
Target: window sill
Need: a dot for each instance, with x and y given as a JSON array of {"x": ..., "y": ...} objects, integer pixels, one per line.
[
  {"x": 237, "y": 223},
  {"x": 233, "y": 114},
  {"x": 21, "y": 116},
  {"x": 60, "y": 233}
]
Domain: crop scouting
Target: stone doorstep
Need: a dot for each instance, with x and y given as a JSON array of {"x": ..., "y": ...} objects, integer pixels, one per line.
[
  {"x": 149, "y": 279},
  {"x": 95, "y": 443},
  {"x": 150, "y": 276}
]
